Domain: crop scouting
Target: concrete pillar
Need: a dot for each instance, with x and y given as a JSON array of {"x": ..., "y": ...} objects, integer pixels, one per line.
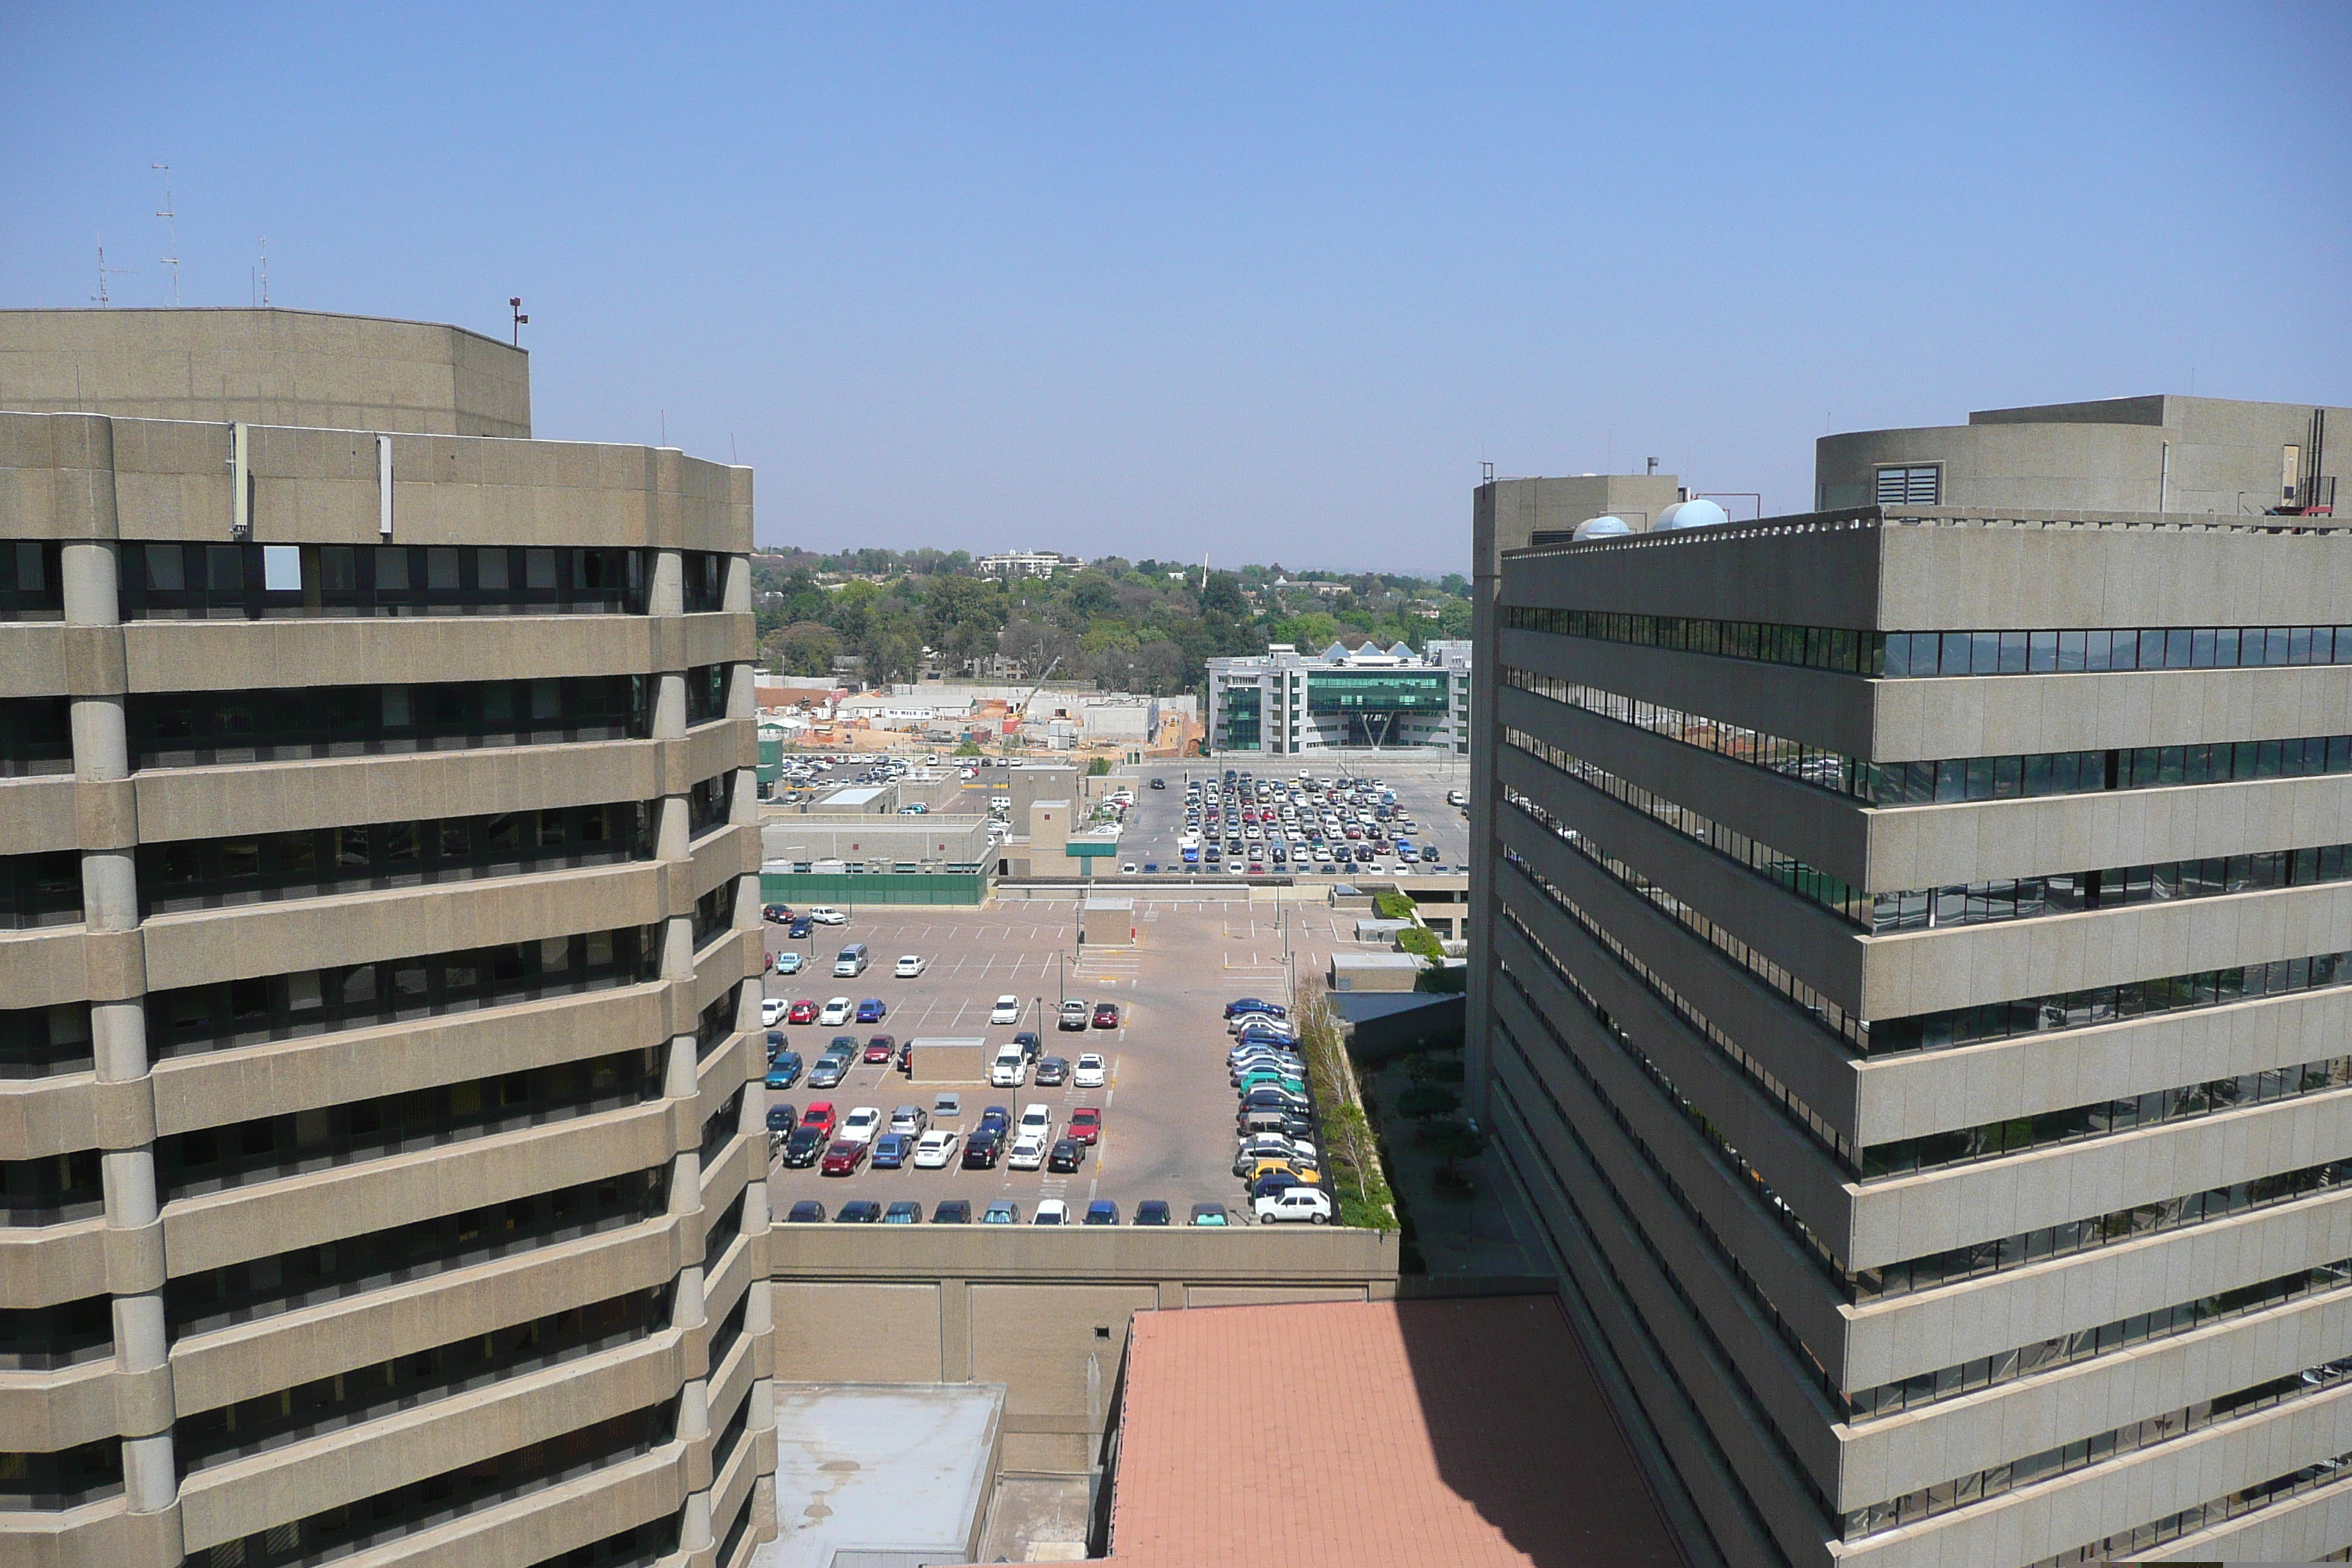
[
  {"x": 665, "y": 595},
  {"x": 669, "y": 705},
  {"x": 693, "y": 1306},
  {"x": 694, "y": 1523},
  {"x": 100, "y": 739},
  {"x": 89, "y": 577},
  {"x": 670, "y": 828},
  {"x": 109, "y": 890},
  {"x": 149, "y": 1482},
  {"x": 737, "y": 586},
  {"x": 678, "y": 948},
  {"x": 685, "y": 1197},
  {"x": 119, "y": 1040},
  {"x": 694, "y": 1410},
  {"x": 128, "y": 1176},
  {"x": 680, "y": 1078}
]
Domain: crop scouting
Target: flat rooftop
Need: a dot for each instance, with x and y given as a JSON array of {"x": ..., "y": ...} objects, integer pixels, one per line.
[
  {"x": 902, "y": 1469},
  {"x": 1469, "y": 1433}
]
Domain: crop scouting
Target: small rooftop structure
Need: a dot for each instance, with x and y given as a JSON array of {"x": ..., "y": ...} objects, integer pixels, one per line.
[
  {"x": 1469, "y": 1433},
  {"x": 1374, "y": 971},
  {"x": 897, "y": 1474}
]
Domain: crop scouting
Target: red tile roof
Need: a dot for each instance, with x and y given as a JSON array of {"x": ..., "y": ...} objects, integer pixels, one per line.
[{"x": 1430, "y": 1434}]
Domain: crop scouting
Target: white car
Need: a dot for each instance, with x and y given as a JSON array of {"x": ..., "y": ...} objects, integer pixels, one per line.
[
  {"x": 934, "y": 1149},
  {"x": 1050, "y": 1210},
  {"x": 1127, "y": 869},
  {"x": 824, "y": 916},
  {"x": 1028, "y": 1152},
  {"x": 773, "y": 1010},
  {"x": 911, "y": 966},
  {"x": 860, "y": 1125},
  {"x": 1312, "y": 1205},
  {"x": 836, "y": 1013},
  {"x": 1036, "y": 1117},
  {"x": 1006, "y": 1011},
  {"x": 1088, "y": 1073}
]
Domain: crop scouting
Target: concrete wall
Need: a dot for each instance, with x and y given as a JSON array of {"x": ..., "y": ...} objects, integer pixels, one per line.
[
  {"x": 958, "y": 840},
  {"x": 1041, "y": 1311},
  {"x": 265, "y": 367}
]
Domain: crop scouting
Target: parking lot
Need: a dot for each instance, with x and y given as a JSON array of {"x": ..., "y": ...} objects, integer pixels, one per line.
[
  {"x": 1168, "y": 1106},
  {"x": 1155, "y": 825}
]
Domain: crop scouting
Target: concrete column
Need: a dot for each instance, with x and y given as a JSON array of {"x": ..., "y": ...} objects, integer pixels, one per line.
[
  {"x": 109, "y": 890},
  {"x": 90, "y": 578},
  {"x": 694, "y": 1523},
  {"x": 686, "y": 1196},
  {"x": 738, "y": 587},
  {"x": 694, "y": 1410},
  {"x": 149, "y": 1482},
  {"x": 128, "y": 1176},
  {"x": 119, "y": 1040},
  {"x": 670, "y": 828},
  {"x": 100, "y": 739},
  {"x": 678, "y": 948},
  {"x": 742, "y": 692},
  {"x": 693, "y": 1304},
  {"x": 665, "y": 595},
  {"x": 669, "y": 705}
]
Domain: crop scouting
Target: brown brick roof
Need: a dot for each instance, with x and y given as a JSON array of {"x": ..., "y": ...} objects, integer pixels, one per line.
[{"x": 1432, "y": 1434}]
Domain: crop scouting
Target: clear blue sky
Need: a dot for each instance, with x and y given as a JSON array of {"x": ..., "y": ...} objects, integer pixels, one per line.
[{"x": 1264, "y": 281}]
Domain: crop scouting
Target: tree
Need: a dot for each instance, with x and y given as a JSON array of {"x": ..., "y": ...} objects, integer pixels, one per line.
[{"x": 804, "y": 648}]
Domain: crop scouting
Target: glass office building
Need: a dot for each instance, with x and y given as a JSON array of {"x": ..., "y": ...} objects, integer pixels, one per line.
[{"x": 1286, "y": 703}]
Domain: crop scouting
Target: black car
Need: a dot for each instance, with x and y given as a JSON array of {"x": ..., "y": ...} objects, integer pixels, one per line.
[
  {"x": 1052, "y": 1073},
  {"x": 775, "y": 1043},
  {"x": 808, "y": 1211},
  {"x": 801, "y": 928},
  {"x": 1159, "y": 783},
  {"x": 1152, "y": 1211},
  {"x": 1067, "y": 1155},
  {"x": 865, "y": 1211},
  {"x": 1274, "y": 1181},
  {"x": 951, "y": 1211},
  {"x": 1030, "y": 1045},
  {"x": 979, "y": 1151},
  {"x": 805, "y": 1147},
  {"x": 782, "y": 1119}
]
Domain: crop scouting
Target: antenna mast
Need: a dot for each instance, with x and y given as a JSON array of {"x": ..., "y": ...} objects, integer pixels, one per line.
[
  {"x": 172, "y": 218},
  {"x": 264, "y": 243},
  {"x": 103, "y": 271}
]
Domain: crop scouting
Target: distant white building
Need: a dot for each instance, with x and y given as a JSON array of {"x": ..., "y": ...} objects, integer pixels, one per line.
[
  {"x": 1285, "y": 703},
  {"x": 1011, "y": 564}
]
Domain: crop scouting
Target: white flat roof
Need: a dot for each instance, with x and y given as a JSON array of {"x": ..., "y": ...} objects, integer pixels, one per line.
[{"x": 876, "y": 1467}]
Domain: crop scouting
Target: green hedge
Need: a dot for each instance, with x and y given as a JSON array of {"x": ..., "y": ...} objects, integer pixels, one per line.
[
  {"x": 1393, "y": 906},
  {"x": 1419, "y": 942}
]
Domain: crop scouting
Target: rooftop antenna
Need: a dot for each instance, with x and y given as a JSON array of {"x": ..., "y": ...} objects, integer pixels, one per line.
[
  {"x": 520, "y": 320},
  {"x": 172, "y": 218},
  {"x": 264, "y": 243},
  {"x": 103, "y": 271}
]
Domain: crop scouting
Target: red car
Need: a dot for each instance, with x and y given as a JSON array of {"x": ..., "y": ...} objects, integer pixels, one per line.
[
  {"x": 879, "y": 1049},
  {"x": 843, "y": 1158},
  {"x": 1106, "y": 1015},
  {"x": 820, "y": 1116},
  {"x": 1086, "y": 1124},
  {"x": 804, "y": 1012}
]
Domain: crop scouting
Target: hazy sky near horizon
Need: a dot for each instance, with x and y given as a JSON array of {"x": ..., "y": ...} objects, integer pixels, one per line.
[{"x": 1265, "y": 283}]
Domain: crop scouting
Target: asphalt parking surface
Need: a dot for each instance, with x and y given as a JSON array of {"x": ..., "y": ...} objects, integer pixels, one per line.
[
  {"x": 1420, "y": 785},
  {"x": 1168, "y": 1106}
]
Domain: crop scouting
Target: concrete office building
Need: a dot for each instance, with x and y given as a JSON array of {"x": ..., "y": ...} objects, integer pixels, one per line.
[
  {"x": 1913, "y": 980},
  {"x": 2216, "y": 456},
  {"x": 376, "y": 807},
  {"x": 1285, "y": 703}
]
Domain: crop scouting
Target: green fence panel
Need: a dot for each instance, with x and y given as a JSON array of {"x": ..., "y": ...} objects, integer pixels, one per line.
[{"x": 801, "y": 889}]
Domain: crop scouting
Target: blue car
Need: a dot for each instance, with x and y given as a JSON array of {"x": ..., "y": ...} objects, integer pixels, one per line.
[
  {"x": 890, "y": 1150},
  {"x": 801, "y": 928},
  {"x": 1251, "y": 1004},
  {"x": 872, "y": 1011},
  {"x": 782, "y": 1119},
  {"x": 785, "y": 1071}
]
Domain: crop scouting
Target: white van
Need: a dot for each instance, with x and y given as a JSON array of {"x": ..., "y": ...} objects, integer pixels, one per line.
[
  {"x": 1011, "y": 1069},
  {"x": 852, "y": 961}
]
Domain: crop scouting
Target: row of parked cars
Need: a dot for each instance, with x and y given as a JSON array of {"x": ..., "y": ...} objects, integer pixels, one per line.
[
  {"x": 1275, "y": 1152},
  {"x": 1003, "y": 1211}
]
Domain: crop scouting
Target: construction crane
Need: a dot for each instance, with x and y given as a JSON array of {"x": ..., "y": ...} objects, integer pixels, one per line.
[{"x": 1023, "y": 710}]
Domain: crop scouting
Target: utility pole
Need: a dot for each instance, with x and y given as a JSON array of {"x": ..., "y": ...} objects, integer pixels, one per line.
[{"x": 520, "y": 320}]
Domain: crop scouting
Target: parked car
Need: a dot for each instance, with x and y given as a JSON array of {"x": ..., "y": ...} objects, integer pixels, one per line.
[
  {"x": 951, "y": 1211},
  {"x": 829, "y": 1071},
  {"x": 1086, "y": 1124},
  {"x": 808, "y": 1211},
  {"x": 1102, "y": 1211},
  {"x": 843, "y": 1158},
  {"x": 1152, "y": 1211},
  {"x": 1106, "y": 1015},
  {"x": 1259, "y": 1078},
  {"x": 805, "y": 1146},
  {"x": 908, "y": 1120},
  {"x": 783, "y": 1118},
  {"x": 836, "y": 1013},
  {"x": 872, "y": 1010},
  {"x": 1053, "y": 1072},
  {"x": 802, "y": 1011},
  {"x": 1312, "y": 1205},
  {"x": 1050, "y": 1210},
  {"x": 790, "y": 963},
  {"x": 820, "y": 1114},
  {"x": 980, "y": 1151},
  {"x": 785, "y": 1071},
  {"x": 879, "y": 1050},
  {"x": 1271, "y": 1146},
  {"x": 1028, "y": 1152},
  {"x": 1006, "y": 1011},
  {"x": 864, "y": 1211},
  {"x": 910, "y": 966},
  {"x": 1090, "y": 1073},
  {"x": 996, "y": 1120},
  {"x": 890, "y": 1150},
  {"x": 776, "y": 914},
  {"x": 935, "y": 1148},
  {"x": 905, "y": 1211},
  {"x": 800, "y": 930},
  {"x": 1003, "y": 1211},
  {"x": 1262, "y": 1168},
  {"x": 1074, "y": 1014},
  {"x": 1209, "y": 1213},
  {"x": 1031, "y": 1046},
  {"x": 1067, "y": 1155},
  {"x": 862, "y": 1124},
  {"x": 773, "y": 1010},
  {"x": 828, "y": 917}
]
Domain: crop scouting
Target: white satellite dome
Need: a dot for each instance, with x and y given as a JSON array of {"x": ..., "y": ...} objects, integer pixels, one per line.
[
  {"x": 1602, "y": 528},
  {"x": 1690, "y": 514}
]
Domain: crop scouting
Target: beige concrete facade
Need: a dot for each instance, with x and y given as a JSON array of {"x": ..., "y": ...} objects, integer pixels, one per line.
[
  {"x": 474, "y": 1273},
  {"x": 2057, "y": 1290}
]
